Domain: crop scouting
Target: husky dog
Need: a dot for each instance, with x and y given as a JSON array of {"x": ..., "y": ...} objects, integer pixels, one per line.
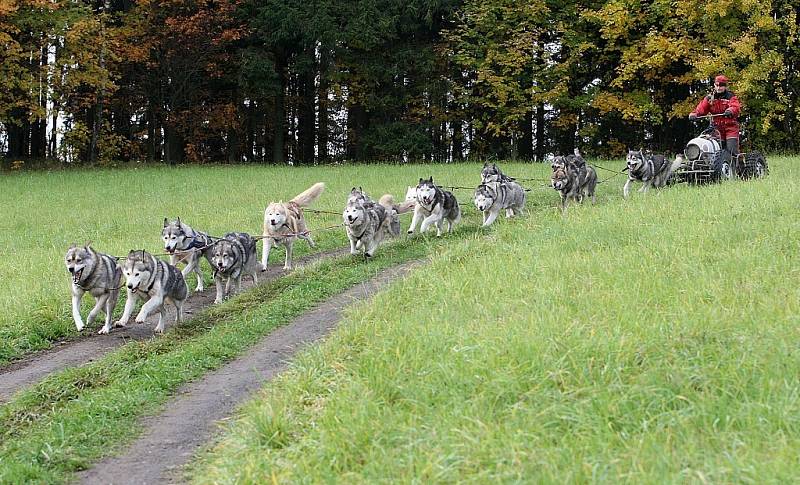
[
  {"x": 356, "y": 194},
  {"x": 98, "y": 274},
  {"x": 186, "y": 245},
  {"x": 411, "y": 194},
  {"x": 574, "y": 183},
  {"x": 650, "y": 169},
  {"x": 434, "y": 206},
  {"x": 155, "y": 282},
  {"x": 574, "y": 161},
  {"x": 234, "y": 256},
  {"x": 492, "y": 173},
  {"x": 492, "y": 197},
  {"x": 284, "y": 223},
  {"x": 367, "y": 223}
]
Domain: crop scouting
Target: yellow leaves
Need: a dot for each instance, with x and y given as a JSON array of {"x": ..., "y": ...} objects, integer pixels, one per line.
[
  {"x": 617, "y": 19},
  {"x": 607, "y": 103}
]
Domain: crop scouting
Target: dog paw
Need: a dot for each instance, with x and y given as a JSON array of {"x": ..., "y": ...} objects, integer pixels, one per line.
[
  {"x": 79, "y": 326},
  {"x": 140, "y": 318},
  {"x": 199, "y": 288},
  {"x": 287, "y": 268},
  {"x": 159, "y": 330},
  {"x": 104, "y": 330},
  {"x": 217, "y": 301}
]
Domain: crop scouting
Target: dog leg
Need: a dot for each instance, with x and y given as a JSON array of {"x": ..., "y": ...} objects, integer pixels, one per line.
[
  {"x": 255, "y": 277},
  {"x": 238, "y": 283},
  {"x": 130, "y": 302},
  {"x": 77, "y": 294},
  {"x": 162, "y": 315},
  {"x": 267, "y": 249},
  {"x": 289, "y": 246},
  {"x": 178, "y": 311},
  {"x": 371, "y": 247},
  {"x": 109, "y": 310},
  {"x": 353, "y": 249},
  {"x": 492, "y": 216},
  {"x": 308, "y": 239},
  {"x": 645, "y": 186},
  {"x": 509, "y": 213},
  {"x": 194, "y": 265},
  {"x": 220, "y": 289},
  {"x": 99, "y": 303},
  {"x": 415, "y": 221},
  {"x": 426, "y": 223},
  {"x": 627, "y": 188},
  {"x": 149, "y": 307}
]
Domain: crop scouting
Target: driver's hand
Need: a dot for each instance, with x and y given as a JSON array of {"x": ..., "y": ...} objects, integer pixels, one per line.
[
  {"x": 728, "y": 112},
  {"x": 692, "y": 116}
]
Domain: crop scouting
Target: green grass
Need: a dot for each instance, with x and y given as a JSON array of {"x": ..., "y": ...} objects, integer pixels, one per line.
[
  {"x": 647, "y": 341},
  {"x": 44, "y": 212},
  {"x": 79, "y": 415}
]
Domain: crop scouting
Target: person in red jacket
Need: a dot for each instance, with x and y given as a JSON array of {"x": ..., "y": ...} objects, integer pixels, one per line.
[{"x": 727, "y": 104}]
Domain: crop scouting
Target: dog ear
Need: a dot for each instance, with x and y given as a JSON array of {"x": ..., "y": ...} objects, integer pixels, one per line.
[
  {"x": 165, "y": 222},
  {"x": 420, "y": 180},
  {"x": 71, "y": 246},
  {"x": 87, "y": 245},
  {"x": 179, "y": 222},
  {"x": 431, "y": 179}
]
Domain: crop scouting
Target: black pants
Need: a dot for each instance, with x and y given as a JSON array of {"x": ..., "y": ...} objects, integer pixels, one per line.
[{"x": 732, "y": 145}]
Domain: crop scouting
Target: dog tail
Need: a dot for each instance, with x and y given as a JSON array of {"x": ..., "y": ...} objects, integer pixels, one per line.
[
  {"x": 387, "y": 201},
  {"x": 308, "y": 196},
  {"x": 676, "y": 164}
]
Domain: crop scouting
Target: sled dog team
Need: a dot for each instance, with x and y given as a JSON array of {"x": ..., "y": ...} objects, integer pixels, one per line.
[{"x": 367, "y": 223}]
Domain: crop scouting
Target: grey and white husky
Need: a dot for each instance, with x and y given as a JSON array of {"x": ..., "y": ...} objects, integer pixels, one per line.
[
  {"x": 368, "y": 223},
  {"x": 434, "y": 206},
  {"x": 492, "y": 173},
  {"x": 96, "y": 273},
  {"x": 185, "y": 245},
  {"x": 157, "y": 283},
  {"x": 574, "y": 183},
  {"x": 652, "y": 170},
  {"x": 234, "y": 256},
  {"x": 492, "y": 197}
]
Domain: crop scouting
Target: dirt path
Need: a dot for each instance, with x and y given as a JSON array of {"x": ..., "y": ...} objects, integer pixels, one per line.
[
  {"x": 170, "y": 439},
  {"x": 90, "y": 346}
]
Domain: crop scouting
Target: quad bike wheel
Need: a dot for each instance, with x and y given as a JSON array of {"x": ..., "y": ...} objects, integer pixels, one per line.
[
  {"x": 721, "y": 169},
  {"x": 755, "y": 166}
]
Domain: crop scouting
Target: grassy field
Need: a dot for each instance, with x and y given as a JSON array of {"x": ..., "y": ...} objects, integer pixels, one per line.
[
  {"x": 123, "y": 209},
  {"x": 647, "y": 341}
]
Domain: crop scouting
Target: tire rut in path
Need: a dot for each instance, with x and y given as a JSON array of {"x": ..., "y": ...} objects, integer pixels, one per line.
[
  {"x": 91, "y": 346},
  {"x": 171, "y": 439}
]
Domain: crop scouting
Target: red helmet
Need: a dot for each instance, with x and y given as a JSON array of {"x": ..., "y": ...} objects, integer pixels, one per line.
[{"x": 720, "y": 80}]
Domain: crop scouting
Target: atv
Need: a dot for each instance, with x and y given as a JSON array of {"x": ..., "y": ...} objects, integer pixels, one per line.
[{"x": 706, "y": 159}]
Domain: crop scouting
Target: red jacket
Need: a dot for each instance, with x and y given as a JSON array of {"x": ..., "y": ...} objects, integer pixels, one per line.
[{"x": 717, "y": 105}]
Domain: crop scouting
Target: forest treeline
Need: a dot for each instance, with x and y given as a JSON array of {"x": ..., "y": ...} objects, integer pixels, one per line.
[{"x": 318, "y": 81}]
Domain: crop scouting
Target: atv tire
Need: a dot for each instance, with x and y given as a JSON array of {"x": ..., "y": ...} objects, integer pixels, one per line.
[
  {"x": 755, "y": 166},
  {"x": 721, "y": 169}
]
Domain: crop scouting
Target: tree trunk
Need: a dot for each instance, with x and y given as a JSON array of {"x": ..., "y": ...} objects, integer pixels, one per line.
[
  {"x": 525, "y": 148},
  {"x": 540, "y": 140},
  {"x": 322, "y": 100},
  {"x": 306, "y": 117},
  {"x": 279, "y": 114}
]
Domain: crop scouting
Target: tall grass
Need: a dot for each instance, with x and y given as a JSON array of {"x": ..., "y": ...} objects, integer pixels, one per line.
[{"x": 644, "y": 341}]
